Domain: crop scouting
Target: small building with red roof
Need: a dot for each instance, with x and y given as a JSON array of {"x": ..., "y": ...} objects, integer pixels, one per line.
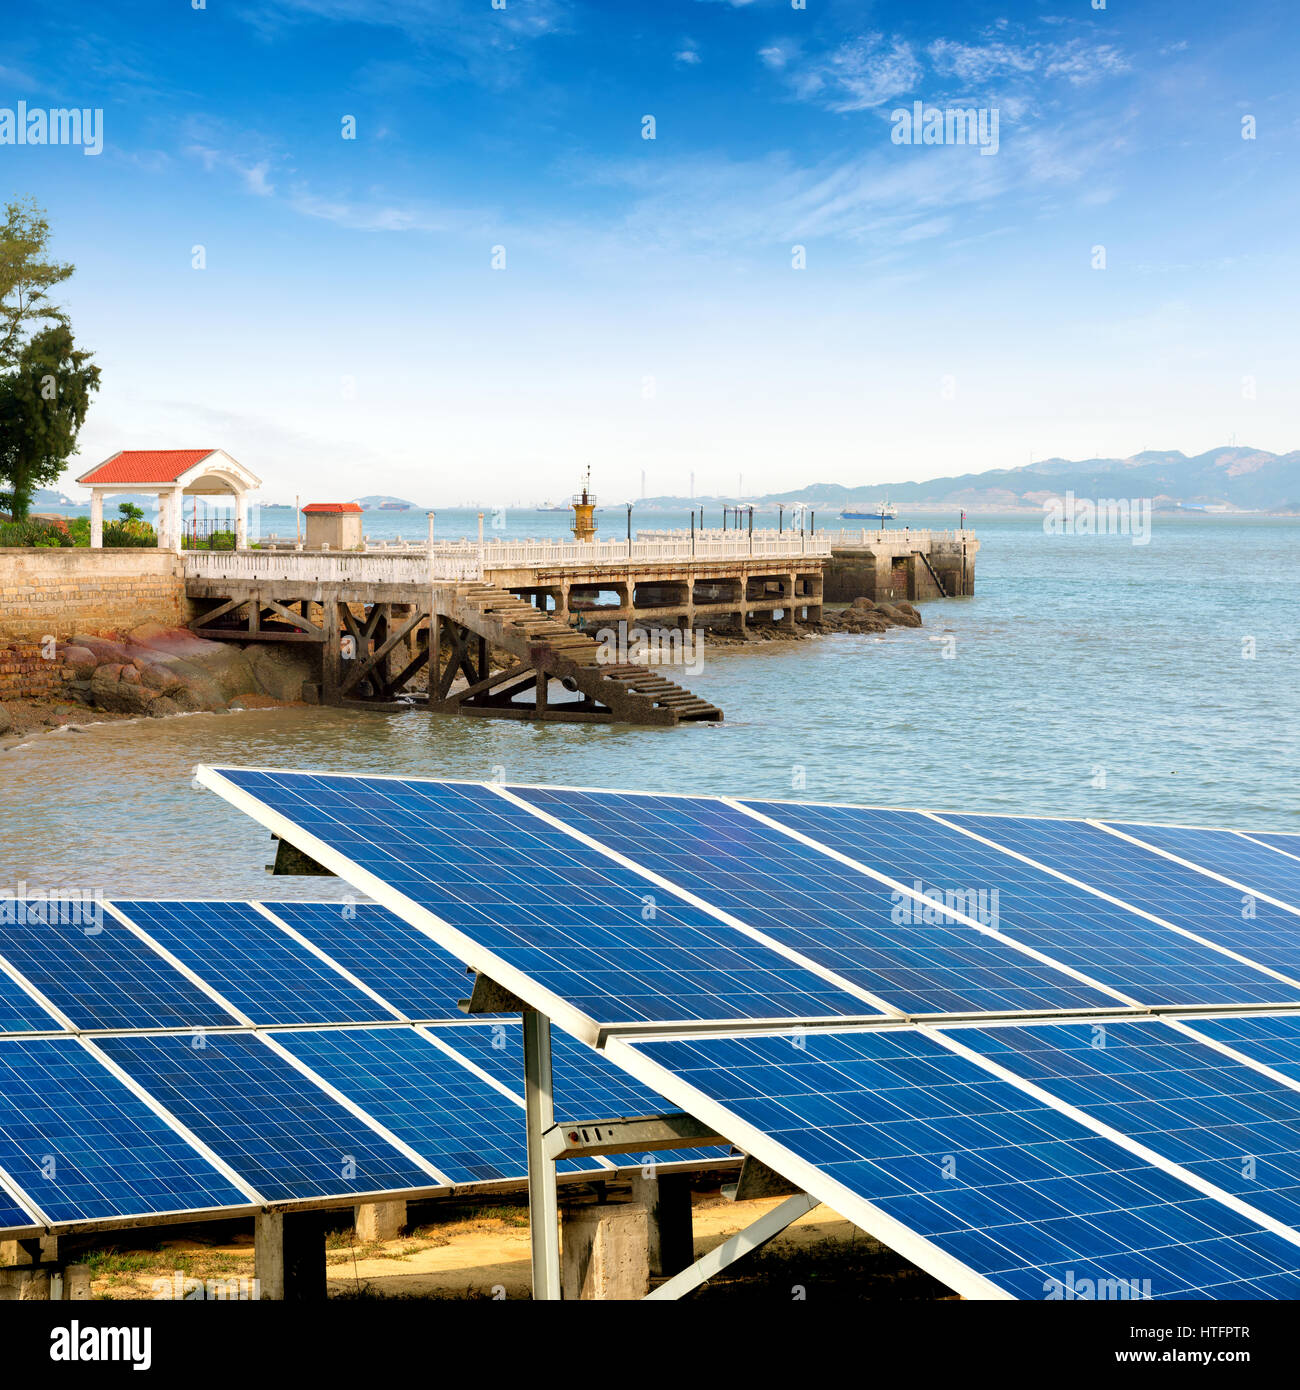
[
  {"x": 334, "y": 526},
  {"x": 173, "y": 475}
]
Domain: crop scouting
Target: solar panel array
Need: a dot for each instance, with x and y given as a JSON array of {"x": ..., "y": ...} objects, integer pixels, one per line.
[
  {"x": 942, "y": 1026},
  {"x": 159, "y": 1058}
]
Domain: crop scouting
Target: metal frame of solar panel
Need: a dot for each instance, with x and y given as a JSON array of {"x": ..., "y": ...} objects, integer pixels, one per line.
[
  {"x": 395, "y": 839},
  {"x": 229, "y": 1099}
]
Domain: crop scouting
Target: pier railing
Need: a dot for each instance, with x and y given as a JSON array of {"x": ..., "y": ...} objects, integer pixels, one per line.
[{"x": 456, "y": 561}]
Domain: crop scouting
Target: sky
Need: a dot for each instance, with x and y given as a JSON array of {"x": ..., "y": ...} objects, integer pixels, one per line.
[{"x": 425, "y": 248}]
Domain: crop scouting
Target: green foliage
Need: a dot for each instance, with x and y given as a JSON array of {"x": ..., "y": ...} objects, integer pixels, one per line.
[
  {"x": 130, "y": 512},
  {"x": 33, "y": 533},
  {"x": 43, "y": 403},
  {"x": 215, "y": 540},
  {"x": 79, "y": 529},
  {"x": 26, "y": 278},
  {"x": 45, "y": 381},
  {"x": 129, "y": 533}
]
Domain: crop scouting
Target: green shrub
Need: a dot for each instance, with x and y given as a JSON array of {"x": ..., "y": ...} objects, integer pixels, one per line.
[
  {"x": 33, "y": 533},
  {"x": 129, "y": 533}
]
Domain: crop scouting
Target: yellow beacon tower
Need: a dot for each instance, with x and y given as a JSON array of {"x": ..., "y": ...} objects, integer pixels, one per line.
[{"x": 584, "y": 511}]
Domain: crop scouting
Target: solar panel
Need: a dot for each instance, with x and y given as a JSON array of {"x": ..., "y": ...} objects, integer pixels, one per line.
[
  {"x": 1220, "y": 1119},
  {"x": 12, "y": 1216},
  {"x": 915, "y": 960},
  {"x": 19, "y": 1012},
  {"x": 463, "y": 1126},
  {"x": 525, "y": 896},
  {"x": 1148, "y": 962},
  {"x": 1257, "y": 867},
  {"x": 410, "y": 971},
  {"x": 101, "y": 975},
  {"x": 252, "y": 963},
  {"x": 272, "y": 1125},
  {"x": 586, "y": 1085},
  {"x": 83, "y": 1147},
  {"x": 1288, "y": 844},
  {"x": 1270, "y": 1040},
  {"x": 974, "y": 1180},
  {"x": 1239, "y": 922}
]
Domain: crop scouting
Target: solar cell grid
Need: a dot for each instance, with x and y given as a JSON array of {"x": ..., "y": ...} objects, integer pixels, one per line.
[
  {"x": 1196, "y": 1107},
  {"x": 103, "y": 976},
  {"x": 20, "y": 1013},
  {"x": 401, "y": 964},
  {"x": 1117, "y": 947},
  {"x": 464, "y": 1127},
  {"x": 275, "y": 1127},
  {"x": 1255, "y": 929},
  {"x": 1016, "y": 1191},
  {"x": 916, "y": 960},
  {"x": 1253, "y": 865},
  {"x": 1272, "y": 1041},
  {"x": 252, "y": 963},
  {"x": 84, "y": 1148},
  {"x": 586, "y": 929},
  {"x": 586, "y": 1084}
]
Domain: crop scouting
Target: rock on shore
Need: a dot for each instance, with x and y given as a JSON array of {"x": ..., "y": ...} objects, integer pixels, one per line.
[
  {"x": 864, "y": 615},
  {"x": 156, "y": 671}
]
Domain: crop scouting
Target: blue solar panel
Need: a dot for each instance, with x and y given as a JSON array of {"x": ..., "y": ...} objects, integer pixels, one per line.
[
  {"x": 586, "y": 1085},
  {"x": 1013, "y": 1189},
  {"x": 578, "y": 924},
  {"x": 103, "y": 976},
  {"x": 84, "y": 1148},
  {"x": 1147, "y": 962},
  {"x": 464, "y": 1127},
  {"x": 1267, "y": 935},
  {"x": 275, "y": 1128},
  {"x": 12, "y": 1216},
  {"x": 1288, "y": 844},
  {"x": 1274, "y": 1041},
  {"x": 398, "y": 962},
  {"x": 251, "y": 962},
  {"x": 917, "y": 961},
  {"x": 19, "y": 1012},
  {"x": 1219, "y": 1119},
  {"x": 1222, "y": 852}
]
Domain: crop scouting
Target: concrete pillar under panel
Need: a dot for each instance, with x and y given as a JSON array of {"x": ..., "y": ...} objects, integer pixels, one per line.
[
  {"x": 380, "y": 1220},
  {"x": 25, "y": 1285},
  {"x": 34, "y": 1250},
  {"x": 671, "y": 1235},
  {"x": 606, "y": 1252},
  {"x": 289, "y": 1256}
]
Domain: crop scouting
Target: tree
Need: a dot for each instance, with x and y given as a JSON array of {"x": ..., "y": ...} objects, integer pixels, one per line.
[
  {"x": 43, "y": 403},
  {"x": 26, "y": 278},
  {"x": 129, "y": 511}
]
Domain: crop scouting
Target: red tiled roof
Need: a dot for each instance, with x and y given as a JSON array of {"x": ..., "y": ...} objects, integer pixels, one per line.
[
  {"x": 332, "y": 507},
  {"x": 145, "y": 466}
]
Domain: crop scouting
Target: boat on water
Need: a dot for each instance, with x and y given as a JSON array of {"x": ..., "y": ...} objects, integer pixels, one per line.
[
  {"x": 547, "y": 507},
  {"x": 394, "y": 506},
  {"x": 883, "y": 512}
]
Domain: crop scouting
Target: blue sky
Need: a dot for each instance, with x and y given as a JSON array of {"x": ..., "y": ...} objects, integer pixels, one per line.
[{"x": 349, "y": 333}]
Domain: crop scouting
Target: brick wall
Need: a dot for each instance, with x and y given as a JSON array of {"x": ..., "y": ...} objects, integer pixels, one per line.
[
  {"x": 66, "y": 591},
  {"x": 27, "y": 674}
]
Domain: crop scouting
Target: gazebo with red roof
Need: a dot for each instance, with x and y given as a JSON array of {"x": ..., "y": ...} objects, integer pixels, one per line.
[{"x": 172, "y": 474}]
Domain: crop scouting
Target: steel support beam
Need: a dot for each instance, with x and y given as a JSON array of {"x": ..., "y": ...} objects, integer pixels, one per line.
[
  {"x": 543, "y": 1202},
  {"x": 752, "y": 1238},
  {"x": 644, "y": 1134}
]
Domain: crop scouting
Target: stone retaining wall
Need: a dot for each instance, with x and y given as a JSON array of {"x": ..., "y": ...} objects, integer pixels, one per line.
[{"x": 58, "y": 592}]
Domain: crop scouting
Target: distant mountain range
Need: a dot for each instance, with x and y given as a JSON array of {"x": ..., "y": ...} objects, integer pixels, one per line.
[{"x": 1237, "y": 478}]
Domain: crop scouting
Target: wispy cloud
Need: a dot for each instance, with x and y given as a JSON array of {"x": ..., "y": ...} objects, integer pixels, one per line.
[
  {"x": 858, "y": 74},
  {"x": 255, "y": 176},
  {"x": 1077, "y": 60},
  {"x": 688, "y": 54}
]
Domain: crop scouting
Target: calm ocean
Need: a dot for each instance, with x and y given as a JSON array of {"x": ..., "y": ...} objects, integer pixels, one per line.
[{"x": 1088, "y": 676}]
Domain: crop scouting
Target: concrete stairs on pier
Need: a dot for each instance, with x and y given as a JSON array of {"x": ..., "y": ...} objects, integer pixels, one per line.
[{"x": 546, "y": 650}]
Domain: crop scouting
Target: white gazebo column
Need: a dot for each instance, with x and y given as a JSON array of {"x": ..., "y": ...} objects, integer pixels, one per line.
[
  {"x": 241, "y": 521},
  {"x": 163, "y": 519},
  {"x": 96, "y": 519},
  {"x": 175, "y": 519}
]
